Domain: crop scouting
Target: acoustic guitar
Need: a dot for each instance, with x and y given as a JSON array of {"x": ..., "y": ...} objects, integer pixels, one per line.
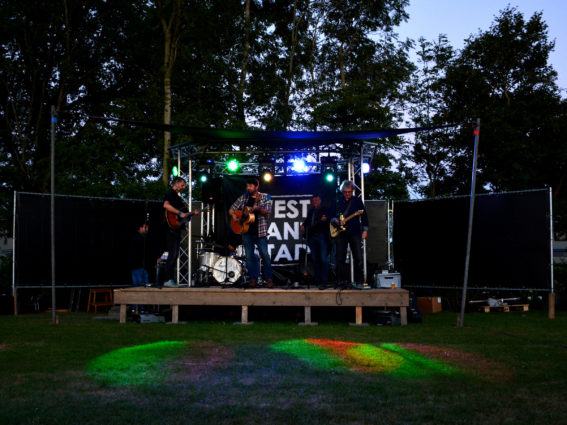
[
  {"x": 243, "y": 221},
  {"x": 336, "y": 230},
  {"x": 174, "y": 221}
]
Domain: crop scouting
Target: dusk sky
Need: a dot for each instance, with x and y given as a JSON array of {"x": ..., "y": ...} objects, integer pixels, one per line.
[{"x": 458, "y": 19}]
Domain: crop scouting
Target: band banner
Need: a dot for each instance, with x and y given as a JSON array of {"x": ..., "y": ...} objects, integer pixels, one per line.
[{"x": 291, "y": 199}]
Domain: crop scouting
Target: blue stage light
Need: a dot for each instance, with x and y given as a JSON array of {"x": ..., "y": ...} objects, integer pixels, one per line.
[
  {"x": 298, "y": 165},
  {"x": 365, "y": 168}
]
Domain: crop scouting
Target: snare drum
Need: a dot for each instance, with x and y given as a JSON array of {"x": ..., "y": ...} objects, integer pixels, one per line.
[
  {"x": 207, "y": 260},
  {"x": 227, "y": 270},
  {"x": 240, "y": 252}
]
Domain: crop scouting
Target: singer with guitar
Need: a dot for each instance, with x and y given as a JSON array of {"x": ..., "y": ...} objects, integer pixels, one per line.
[
  {"x": 316, "y": 228},
  {"x": 352, "y": 226},
  {"x": 250, "y": 215},
  {"x": 176, "y": 214}
]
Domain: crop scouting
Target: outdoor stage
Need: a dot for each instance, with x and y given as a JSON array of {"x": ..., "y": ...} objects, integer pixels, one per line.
[{"x": 307, "y": 298}]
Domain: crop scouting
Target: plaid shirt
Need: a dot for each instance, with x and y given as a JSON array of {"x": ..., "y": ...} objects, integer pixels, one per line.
[{"x": 264, "y": 202}]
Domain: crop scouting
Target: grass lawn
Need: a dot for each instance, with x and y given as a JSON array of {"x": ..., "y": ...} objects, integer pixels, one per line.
[{"x": 502, "y": 368}]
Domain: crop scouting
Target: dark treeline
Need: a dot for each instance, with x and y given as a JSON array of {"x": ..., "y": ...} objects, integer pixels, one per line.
[{"x": 276, "y": 65}]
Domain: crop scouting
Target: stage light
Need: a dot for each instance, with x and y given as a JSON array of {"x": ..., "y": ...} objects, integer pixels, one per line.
[
  {"x": 365, "y": 168},
  {"x": 203, "y": 178},
  {"x": 232, "y": 165},
  {"x": 329, "y": 168},
  {"x": 267, "y": 168},
  {"x": 175, "y": 171},
  {"x": 298, "y": 165}
]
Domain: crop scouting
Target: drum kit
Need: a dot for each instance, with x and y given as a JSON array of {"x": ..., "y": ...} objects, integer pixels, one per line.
[{"x": 218, "y": 269}]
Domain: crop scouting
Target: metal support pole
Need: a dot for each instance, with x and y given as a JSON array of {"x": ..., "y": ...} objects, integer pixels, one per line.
[
  {"x": 53, "y": 299},
  {"x": 362, "y": 197},
  {"x": 471, "y": 214},
  {"x": 189, "y": 227},
  {"x": 349, "y": 250},
  {"x": 14, "y": 242}
]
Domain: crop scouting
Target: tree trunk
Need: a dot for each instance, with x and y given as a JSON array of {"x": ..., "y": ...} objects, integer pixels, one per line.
[
  {"x": 243, "y": 68},
  {"x": 171, "y": 31}
]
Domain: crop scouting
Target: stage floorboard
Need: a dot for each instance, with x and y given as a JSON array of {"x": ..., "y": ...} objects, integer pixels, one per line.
[{"x": 228, "y": 296}]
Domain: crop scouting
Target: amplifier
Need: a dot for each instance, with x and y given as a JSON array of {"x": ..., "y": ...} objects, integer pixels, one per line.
[{"x": 385, "y": 280}]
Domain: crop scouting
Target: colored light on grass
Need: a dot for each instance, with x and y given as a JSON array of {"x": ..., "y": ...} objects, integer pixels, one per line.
[
  {"x": 388, "y": 359},
  {"x": 138, "y": 365}
]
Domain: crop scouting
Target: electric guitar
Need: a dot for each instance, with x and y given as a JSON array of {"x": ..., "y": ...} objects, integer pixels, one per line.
[
  {"x": 243, "y": 221},
  {"x": 174, "y": 221},
  {"x": 336, "y": 230}
]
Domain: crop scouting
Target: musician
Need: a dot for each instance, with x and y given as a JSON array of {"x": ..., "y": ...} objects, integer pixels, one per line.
[
  {"x": 175, "y": 205},
  {"x": 316, "y": 228},
  {"x": 356, "y": 229},
  {"x": 259, "y": 204}
]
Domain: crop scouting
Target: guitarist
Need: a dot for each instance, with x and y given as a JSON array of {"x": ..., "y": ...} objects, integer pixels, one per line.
[
  {"x": 260, "y": 205},
  {"x": 174, "y": 204},
  {"x": 355, "y": 231},
  {"x": 316, "y": 228}
]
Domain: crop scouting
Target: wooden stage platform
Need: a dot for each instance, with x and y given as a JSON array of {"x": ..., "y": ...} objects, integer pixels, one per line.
[{"x": 307, "y": 298}]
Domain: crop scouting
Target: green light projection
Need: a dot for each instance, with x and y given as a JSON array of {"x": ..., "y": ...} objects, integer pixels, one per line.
[
  {"x": 138, "y": 365},
  {"x": 390, "y": 359}
]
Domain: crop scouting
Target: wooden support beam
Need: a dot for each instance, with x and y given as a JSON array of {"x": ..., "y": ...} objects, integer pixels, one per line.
[
  {"x": 551, "y": 305},
  {"x": 175, "y": 313}
]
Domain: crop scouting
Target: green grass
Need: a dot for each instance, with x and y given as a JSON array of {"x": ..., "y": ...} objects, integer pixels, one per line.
[{"x": 502, "y": 368}]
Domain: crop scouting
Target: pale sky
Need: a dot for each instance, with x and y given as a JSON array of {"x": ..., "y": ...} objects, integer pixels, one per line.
[{"x": 458, "y": 19}]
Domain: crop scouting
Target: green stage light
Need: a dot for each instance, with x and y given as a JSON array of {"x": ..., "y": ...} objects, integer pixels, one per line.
[
  {"x": 232, "y": 165},
  {"x": 175, "y": 171},
  {"x": 203, "y": 178},
  {"x": 330, "y": 177}
]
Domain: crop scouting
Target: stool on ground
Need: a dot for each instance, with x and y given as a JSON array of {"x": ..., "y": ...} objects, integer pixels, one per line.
[{"x": 100, "y": 298}]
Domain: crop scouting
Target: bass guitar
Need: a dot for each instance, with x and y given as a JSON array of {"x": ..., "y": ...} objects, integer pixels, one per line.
[
  {"x": 336, "y": 230},
  {"x": 243, "y": 221}
]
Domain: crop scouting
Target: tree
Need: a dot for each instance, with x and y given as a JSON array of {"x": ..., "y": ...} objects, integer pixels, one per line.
[
  {"x": 430, "y": 158},
  {"x": 503, "y": 77}
]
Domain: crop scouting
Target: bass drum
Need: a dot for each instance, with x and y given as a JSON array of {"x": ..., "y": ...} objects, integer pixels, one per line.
[{"x": 227, "y": 270}]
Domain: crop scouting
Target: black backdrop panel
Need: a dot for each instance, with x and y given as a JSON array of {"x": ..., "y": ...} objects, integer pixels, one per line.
[
  {"x": 510, "y": 246},
  {"x": 92, "y": 238},
  {"x": 377, "y": 242}
]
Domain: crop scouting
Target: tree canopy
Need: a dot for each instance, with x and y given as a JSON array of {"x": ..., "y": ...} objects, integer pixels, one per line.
[{"x": 273, "y": 65}]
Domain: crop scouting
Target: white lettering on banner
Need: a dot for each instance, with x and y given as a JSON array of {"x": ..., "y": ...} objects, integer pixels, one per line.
[
  {"x": 284, "y": 253},
  {"x": 288, "y": 230},
  {"x": 291, "y": 205},
  {"x": 288, "y": 209},
  {"x": 279, "y": 208},
  {"x": 274, "y": 232},
  {"x": 284, "y": 231},
  {"x": 305, "y": 203}
]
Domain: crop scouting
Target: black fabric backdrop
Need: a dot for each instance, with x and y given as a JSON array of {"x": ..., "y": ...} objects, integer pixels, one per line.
[
  {"x": 92, "y": 238},
  {"x": 510, "y": 241}
]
